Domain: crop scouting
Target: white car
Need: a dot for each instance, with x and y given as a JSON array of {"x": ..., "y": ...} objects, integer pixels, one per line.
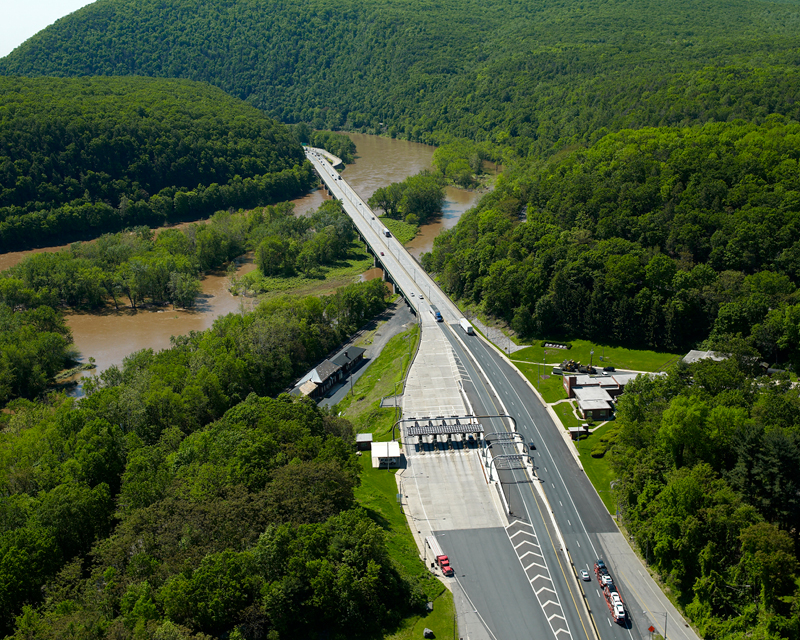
[{"x": 585, "y": 576}]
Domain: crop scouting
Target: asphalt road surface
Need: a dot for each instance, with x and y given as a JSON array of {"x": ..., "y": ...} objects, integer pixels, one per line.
[
  {"x": 584, "y": 530},
  {"x": 575, "y": 506}
]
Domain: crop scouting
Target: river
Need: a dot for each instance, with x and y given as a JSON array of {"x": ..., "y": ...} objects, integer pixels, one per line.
[{"x": 111, "y": 335}]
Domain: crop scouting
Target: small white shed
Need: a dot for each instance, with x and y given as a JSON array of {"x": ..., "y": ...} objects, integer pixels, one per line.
[{"x": 385, "y": 454}]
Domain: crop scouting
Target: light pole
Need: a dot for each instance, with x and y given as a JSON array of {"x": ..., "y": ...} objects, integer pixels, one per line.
[{"x": 665, "y": 621}]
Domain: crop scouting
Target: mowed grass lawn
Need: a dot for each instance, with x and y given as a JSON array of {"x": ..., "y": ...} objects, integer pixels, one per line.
[
  {"x": 362, "y": 407},
  {"x": 378, "y": 490},
  {"x": 598, "y": 470},
  {"x": 378, "y": 495},
  {"x": 619, "y": 357},
  {"x": 550, "y": 386},
  {"x": 566, "y": 413}
]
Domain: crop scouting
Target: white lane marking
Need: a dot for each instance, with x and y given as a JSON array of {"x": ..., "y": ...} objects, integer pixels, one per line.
[
  {"x": 544, "y": 444},
  {"x": 548, "y": 577}
]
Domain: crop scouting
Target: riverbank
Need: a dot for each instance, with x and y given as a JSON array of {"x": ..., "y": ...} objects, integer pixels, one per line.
[{"x": 110, "y": 335}]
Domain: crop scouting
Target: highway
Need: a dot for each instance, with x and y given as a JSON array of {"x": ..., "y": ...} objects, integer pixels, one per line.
[
  {"x": 578, "y": 529},
  {"x": 561, "y": 479},
  {"x": 408, "y": 275}
]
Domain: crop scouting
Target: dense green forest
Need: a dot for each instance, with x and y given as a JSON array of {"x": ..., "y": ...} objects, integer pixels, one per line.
[
  {"x": 657, "y": 237},
  {"x": 708, "y": 461},
  {"x": 79, "y": 157},
  {"x": 34, "y": 346},
  {"x": 338, "y": 144},
  {"x": 651, "y": 199},
  {"x": 181, "y": 457},
  {"x": 530, "y": 75}
]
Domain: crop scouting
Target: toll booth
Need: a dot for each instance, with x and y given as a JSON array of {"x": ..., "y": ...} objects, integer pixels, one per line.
[{"x": 454, "y": 433}]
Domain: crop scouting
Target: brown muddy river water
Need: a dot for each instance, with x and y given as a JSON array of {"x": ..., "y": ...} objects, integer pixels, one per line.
[{"x": 111, "y": 335}]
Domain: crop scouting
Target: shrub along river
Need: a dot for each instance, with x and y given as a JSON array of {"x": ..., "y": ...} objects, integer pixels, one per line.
[{"x": 110, "y": 335}]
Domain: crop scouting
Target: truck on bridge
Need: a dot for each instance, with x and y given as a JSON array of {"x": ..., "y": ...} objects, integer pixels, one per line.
[
  {"x": 387, "y": 233},
  {"x": 436, "y": 313},
  {"x": 466, "y": 326}
]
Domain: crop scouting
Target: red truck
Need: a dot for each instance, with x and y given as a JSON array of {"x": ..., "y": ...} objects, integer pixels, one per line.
[
  {"x": 444, "y": 565},
  {"x": 442, "y": 561},
  {"x": 613, "y": 600}
]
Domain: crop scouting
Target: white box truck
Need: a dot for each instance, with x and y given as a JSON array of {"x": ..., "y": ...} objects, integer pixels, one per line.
[{"x": 466, "y": 326}]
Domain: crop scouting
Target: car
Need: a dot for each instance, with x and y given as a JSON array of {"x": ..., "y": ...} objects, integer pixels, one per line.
[
  {"x": 381, "y": 252},
  {"x": 533, "y": 448},
  {"x": 412, "y": 294},
  {"x": 600, "y": 565},
  {"x": 585, "y": 576},
  {"x": 373, "y": 217},
  {"x": 609, "y": 369},
  {"x": 419, "y": 295}
]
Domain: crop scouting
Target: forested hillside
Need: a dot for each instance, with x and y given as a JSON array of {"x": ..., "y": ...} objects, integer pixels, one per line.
[
  {"x": 80, "y": 157},
  {"x": 177, "y": 498},
  {"x": 656, "y": 237},
  {"x": 528, "y": 74},
  {"x": 707, "y": 460},
  {"x": 651, "y": 198}
]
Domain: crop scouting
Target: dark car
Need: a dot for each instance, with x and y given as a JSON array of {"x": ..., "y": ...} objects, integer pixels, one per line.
[{"x": 609, "y": 369}]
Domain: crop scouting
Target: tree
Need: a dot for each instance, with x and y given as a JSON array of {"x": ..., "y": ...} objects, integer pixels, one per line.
[
  {"x": 423, "y": 196},
  {"x": 768, "y": 563},
  {"x": 310, "y": 492},
  {"x": 388, "y": 198},
  {"x": 183, "y": 289}
]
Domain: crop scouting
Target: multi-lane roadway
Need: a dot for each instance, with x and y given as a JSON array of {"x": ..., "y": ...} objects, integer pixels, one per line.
[{"x": 558, "y": 520}]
